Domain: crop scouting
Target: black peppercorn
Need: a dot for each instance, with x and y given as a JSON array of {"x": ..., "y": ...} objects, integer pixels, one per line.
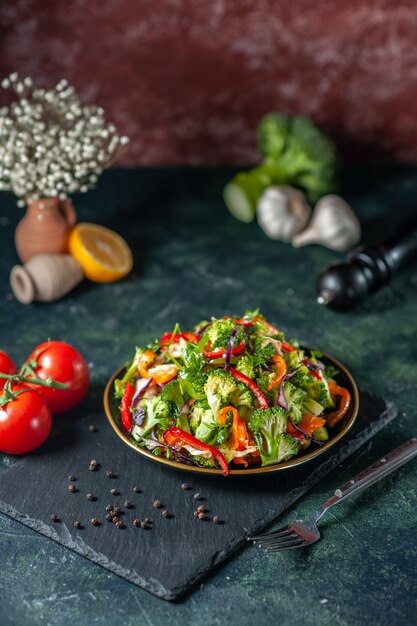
[
  {"x": 216, "y": 519},
  {"x": 195, "y": 513},
  {"x": 94, "y": 521},
  {"x": 114, "y": 492},
  {"x": 120, "y": 524},
  {"x": 72, "y": 477},
  {"x": 128, "y": 504},
  {"x": 165, "y": 513},
  {"x": 109, "y": 507},
  {"x": 109, "y": 473},
  {"x": 136, "y": 522},
  {"x": 185, "y": 486},
  {"x": 115, "y": 519},
  {"x": 202, "y": 515},
  {"x": 136, "y": 490},
  {"x": 78, "y": 524},
  {"x": 197, "y": 496},
  {"x": 157, "y": 504},
  {"x": 72, "y": 488},
  {"x": 201, "y": 508},
  {"x": 53, "y": 517},
  {"x": 92, "y": 428},
  {"x": 143, "y": 524},
  {"x": 109, "y": 517},
  {"x": 91, "y": 496},
  {"x": 117, "y": 511}
]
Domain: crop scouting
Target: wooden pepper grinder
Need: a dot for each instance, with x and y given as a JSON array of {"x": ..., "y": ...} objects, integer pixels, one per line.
[{"x": 367, "y": 268}]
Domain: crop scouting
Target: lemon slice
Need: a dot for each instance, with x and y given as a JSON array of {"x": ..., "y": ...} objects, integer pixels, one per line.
[{"x": 103, "y": 254}]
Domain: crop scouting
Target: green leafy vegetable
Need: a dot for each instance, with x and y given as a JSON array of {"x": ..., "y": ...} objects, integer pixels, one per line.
[{"x": 296, "y": 153}]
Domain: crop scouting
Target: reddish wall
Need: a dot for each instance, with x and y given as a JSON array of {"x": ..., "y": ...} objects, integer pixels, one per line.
[{"x": 187, "y": 80}]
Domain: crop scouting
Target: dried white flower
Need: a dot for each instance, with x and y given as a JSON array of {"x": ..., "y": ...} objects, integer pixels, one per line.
[{"x": 50, "y": 143}]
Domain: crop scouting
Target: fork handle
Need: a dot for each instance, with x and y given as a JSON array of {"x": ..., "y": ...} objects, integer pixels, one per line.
[{"x": 381, "y": 468}]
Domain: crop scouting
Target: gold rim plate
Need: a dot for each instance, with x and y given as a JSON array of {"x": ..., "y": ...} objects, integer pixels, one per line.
[{"x": 111, "y": 407}]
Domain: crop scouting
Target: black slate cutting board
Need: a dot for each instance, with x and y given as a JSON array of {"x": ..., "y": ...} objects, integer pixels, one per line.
[{"x": 176, "y": 552}]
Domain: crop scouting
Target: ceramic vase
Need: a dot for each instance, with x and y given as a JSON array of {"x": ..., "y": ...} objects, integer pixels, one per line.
[
  {"x": 45, "y": 277},
  {"x": 45, "y": 227}
]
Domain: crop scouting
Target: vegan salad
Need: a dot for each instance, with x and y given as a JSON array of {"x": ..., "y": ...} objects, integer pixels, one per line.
[{"x": 232, "y": 391}]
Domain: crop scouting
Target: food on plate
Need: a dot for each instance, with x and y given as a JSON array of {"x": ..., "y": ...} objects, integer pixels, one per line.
[{"x": 233, "y": 391}]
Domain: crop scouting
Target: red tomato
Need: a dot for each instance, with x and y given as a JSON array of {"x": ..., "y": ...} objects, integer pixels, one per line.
[
  {"x": 64, "y": 364},
  {"x": 25, "y": 422},
  {"x": 6, "y": 367}
]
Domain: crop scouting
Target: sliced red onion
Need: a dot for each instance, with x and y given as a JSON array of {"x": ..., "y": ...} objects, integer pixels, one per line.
[
  {"x": 141, "y": 386},
  {"x": 140, "y": 416},
  {"x": 282, "y": 400},
  {"x": 230, "y": 348},
  {"x": 303, "y": 432},
  {"x": 203, "y": 328},
  {"x": 315, "y": 367},
  {"x": 186, "y": 407}
]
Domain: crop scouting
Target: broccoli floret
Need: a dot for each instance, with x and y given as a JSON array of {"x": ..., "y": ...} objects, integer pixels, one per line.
[
  {"x": 219, "y": 387},
  {"x": 205, "y": 426},
  {"x": 308, "y": 159},
  {"x": 193, "y": 383},
  {"x": 268, "y": 430},
  {"x": 220, "y": 331},
  {"x": 158, "y": 413},
  {"x": 299, "y": 402},
  {"x": 261, "y": 352},
  {"x": 172, "y": 393},
  {"x": 272, "y": 134},
  {"x": 193, "y": 359},
  {"x": 242, "y": 396},
  {"x": 198, "y": 410},
  {"x": 292, "y": 359},
  {"x": 246, "y": 366},
  {"x": 317, "y": 390},
  {"x": 295, "y": 152}
]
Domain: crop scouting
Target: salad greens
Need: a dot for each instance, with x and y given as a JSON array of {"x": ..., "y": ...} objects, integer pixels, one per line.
[{"x": 230, "y": 392}]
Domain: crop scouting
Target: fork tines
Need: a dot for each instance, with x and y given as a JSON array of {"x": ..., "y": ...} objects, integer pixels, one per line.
[{"x": 279, "y": 540}]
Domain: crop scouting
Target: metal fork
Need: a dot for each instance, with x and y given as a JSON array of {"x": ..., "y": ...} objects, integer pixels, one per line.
[{"x": 302, "y": 533}]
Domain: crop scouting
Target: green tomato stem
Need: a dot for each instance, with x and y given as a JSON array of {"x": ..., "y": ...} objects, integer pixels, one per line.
[{"x": 35, "y": 380}]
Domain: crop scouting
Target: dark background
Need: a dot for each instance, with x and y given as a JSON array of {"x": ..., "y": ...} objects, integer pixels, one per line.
[{"x": 188, "y": 80}]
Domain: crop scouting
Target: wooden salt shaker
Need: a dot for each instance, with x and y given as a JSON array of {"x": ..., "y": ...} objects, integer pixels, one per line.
[{"x": 45, "y": 277}]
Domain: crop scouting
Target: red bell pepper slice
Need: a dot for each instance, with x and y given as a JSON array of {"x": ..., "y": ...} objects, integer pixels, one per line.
[
  {"x": 170, "y": 338},
  {"x": 308, "y": 424},
  {"x": 220, "y": 353},
  {"x": 287, "y": 348},
  {"x": 125, "y": 412},
  {"x": 263, "y": 403},
  {"x": 241, "y": 321},
  {"x": 345, "y": 401},
  {"x": 174, "y": 436}
]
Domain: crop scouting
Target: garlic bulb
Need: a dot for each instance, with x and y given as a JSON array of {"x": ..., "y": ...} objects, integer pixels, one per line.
[
  {"x": 282, "y": 212},
  {"x": 333, "y": 225}
]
